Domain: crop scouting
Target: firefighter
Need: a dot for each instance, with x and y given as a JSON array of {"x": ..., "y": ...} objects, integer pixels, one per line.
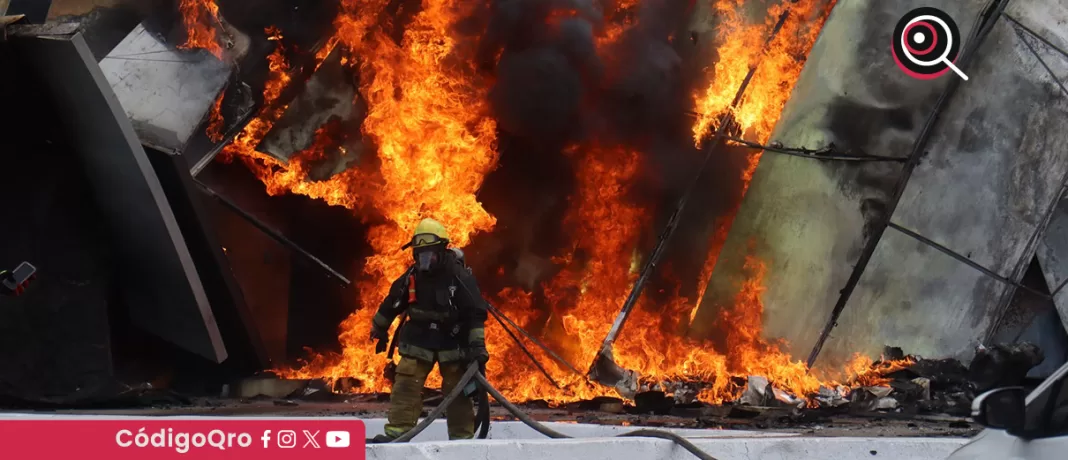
[{"x": 446, "y": 325}]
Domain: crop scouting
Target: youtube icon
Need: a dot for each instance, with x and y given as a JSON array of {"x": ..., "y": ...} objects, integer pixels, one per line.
[{"x": 337, "y": 439}]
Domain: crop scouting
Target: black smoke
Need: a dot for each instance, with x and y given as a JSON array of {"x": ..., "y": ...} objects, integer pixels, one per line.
[{"x": 553, "y": 87}]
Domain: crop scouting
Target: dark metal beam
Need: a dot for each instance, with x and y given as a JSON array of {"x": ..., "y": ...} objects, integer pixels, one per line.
[{"x": 275, "y": 234}]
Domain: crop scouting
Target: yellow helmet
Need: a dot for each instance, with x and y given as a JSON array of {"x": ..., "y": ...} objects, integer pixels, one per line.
[{"x": 429, "y": 232}]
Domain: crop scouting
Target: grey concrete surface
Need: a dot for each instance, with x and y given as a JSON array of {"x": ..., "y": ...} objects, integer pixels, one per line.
[
  {"x": 808, "y": 220},
  {"x": 984, "y": 188},
  {"x": 159, "y": 282},
  {"x": 991, "y": 173},
  {"x": 1049, "y": 23}
]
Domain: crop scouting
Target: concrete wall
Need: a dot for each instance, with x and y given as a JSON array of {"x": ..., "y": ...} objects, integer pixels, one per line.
[
  {"x": 993, "y": 170},
  {"x": 984, "y": 188},
  {"x": 808, "y": 220},
  {"x": 515, "y": 441}
]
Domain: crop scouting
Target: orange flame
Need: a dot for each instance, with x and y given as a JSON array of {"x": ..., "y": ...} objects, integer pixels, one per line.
[
  {"x": 777, "y": 68},
  {"x": 427, "y": 117},
  {"x": 201, "y": 20},
  {"x": 618, "y": 21},
  {"x": 215, "y": 120},
  {"x": 435, "y": 145},
  {"x": 278, "y": 78}
]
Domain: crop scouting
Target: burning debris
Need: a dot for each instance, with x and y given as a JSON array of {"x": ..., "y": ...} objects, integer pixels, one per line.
[
  {"x": 908, "y": 383},
  {"x": 909, "y": 388},
  {"x": 328, "y": 98}
]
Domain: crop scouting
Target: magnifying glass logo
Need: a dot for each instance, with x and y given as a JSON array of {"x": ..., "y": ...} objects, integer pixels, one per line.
[{"x": 926, "y": 43}]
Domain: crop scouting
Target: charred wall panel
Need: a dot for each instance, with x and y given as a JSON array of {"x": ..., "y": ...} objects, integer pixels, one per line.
[
  {"x": 808, "y": 220},
  {"x": 159, "y": 282},
  {"x": 915, "y": 296},
  {"x": 236, "y": 324},
  {"x": 328, "y": 97},
  {"x": 55, "y": 338},
  {"x": 261, "y": 267},
  {"x": 990, "y": 175},
  {"x": 260, "y": 264}
]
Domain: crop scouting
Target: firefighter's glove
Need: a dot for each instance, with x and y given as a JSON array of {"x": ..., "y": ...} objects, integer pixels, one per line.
[
  {"x": 382, "y": 336},
  {"x": 476, "y": 345}
]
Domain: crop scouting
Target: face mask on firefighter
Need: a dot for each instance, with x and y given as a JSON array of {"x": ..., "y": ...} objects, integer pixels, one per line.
[
  {"x": 426, "y": 258},
  {"x": 427, "y": 249}
]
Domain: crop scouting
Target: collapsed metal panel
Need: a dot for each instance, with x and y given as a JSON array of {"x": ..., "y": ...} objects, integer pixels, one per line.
[
  {"x": 158, "y": 280},
  {"x": 808, "y": 220},
  {"x": 993, "y": 169},
  {"x": 260, "y": 264},
  {"x": 262, "y": 268},
  {"x": 165, "y": 93},
  {"x": 192, "y": 209},
  {"x": 329, "y": 96}
]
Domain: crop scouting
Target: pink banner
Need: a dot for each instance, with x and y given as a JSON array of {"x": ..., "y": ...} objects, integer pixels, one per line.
[{"x": 166, "y": 438}]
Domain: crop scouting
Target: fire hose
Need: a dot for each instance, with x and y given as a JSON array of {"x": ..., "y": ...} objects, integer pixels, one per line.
[{"x": 474, "y": 374}]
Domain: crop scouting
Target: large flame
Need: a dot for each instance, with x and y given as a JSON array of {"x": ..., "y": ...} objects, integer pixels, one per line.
[
  {"x": 435, "y": 144},
  {"x": 778, "y": 65},
  {"x": 201, "y": 20}
]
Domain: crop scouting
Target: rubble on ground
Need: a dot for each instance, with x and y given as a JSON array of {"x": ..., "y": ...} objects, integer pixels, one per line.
[
  {"x": 920, "y": 386},
  {"x": 902, "y": 386},
  {"x": 1003, "y": 365}
]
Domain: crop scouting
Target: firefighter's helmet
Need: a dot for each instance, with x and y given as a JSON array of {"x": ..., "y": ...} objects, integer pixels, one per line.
[{"x": 428, "y": 233}]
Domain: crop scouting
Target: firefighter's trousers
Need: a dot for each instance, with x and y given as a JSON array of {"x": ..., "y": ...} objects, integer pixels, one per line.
[{"x": 406, "y": 400}]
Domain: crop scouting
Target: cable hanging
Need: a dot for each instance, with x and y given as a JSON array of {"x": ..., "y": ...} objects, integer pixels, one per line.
[{"x": 829, "y": 153}]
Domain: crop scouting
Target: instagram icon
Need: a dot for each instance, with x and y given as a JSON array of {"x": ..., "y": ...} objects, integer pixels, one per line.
[{"x": 287, "y": 439}]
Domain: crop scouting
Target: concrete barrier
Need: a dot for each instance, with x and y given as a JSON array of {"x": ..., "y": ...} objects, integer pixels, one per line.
[
  {"x": 767, "y": 448},
  {"x": 518, "y": 431}
]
